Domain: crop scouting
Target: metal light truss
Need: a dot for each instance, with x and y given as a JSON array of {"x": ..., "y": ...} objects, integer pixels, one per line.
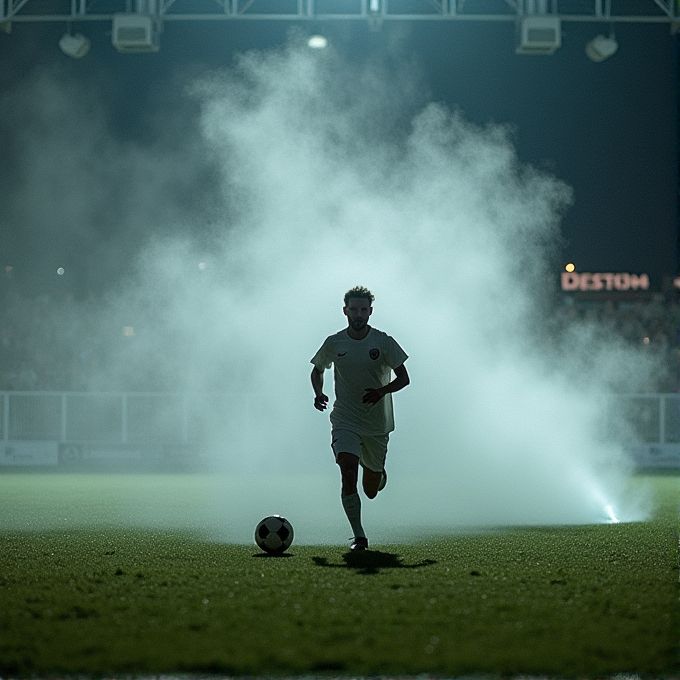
[{"x": 603, "y": 11}]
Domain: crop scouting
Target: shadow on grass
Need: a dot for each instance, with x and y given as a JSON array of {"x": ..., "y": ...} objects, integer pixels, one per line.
[
  {"x": 370, "y": 562},
  {"x": 265, "y": 554}
]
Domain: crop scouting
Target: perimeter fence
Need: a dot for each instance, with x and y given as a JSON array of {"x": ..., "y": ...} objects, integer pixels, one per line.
[
  {"x": 51, "y": 428},
  {"x": 67, "y": 428}
]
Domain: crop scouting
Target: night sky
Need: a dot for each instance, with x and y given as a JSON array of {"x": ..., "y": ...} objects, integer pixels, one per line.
[{"x": 607, "y": 129}]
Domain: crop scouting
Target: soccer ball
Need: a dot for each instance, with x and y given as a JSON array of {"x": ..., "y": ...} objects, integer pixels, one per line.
[{"x": 274, "y": 534}]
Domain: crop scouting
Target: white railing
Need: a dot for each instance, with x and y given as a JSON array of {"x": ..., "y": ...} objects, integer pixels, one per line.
[
  {"x": 53, "y": 427},
  {"x": 96, "y": 418},
  {"x": 654, "y": 418},
  {"x": 46, "y": 428},
  {"x": 654, "y": 421}
]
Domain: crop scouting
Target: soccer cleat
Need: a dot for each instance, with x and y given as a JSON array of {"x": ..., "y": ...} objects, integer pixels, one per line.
[
  {"x": 359, "y": 543},
  {"x": 383, "y": 480}
]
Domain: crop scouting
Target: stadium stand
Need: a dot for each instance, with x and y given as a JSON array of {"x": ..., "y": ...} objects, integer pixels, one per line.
[{"x": 59, "y": 343}]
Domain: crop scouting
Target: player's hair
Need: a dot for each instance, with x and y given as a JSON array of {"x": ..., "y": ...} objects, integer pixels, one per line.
[{"x": 359, "y": 292}]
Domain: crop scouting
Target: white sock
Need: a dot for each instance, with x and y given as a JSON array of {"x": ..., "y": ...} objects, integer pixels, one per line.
[{"x": 352, "y": 506}]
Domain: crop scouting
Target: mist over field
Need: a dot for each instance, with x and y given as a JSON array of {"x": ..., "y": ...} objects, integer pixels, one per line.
[{"x": 324, "y": 176}]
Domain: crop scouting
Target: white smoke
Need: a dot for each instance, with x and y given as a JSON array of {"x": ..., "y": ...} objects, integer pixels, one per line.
[
  {"x": 332, "y": 177},
  {"x": 327, "y": 188}
]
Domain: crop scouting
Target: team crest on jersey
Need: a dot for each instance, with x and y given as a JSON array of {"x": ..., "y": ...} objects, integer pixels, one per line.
[{"x": 374, "y": 353}]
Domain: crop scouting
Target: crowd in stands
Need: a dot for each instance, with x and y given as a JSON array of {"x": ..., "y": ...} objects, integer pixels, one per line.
[
  {"x": 56, "y": 342},
  {"x": 46, "y": 343},
  {"x": 652, "y": 324}
]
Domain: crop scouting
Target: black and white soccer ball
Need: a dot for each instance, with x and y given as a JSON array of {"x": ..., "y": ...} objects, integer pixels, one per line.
[{"x": 274, "y": 534}]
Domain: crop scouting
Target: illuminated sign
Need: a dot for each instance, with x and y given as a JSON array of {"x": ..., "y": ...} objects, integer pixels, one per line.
[{"x": 574, "y": 281}]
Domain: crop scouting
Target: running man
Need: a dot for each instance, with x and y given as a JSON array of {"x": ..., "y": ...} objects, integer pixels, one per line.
[{"x": 362, "y": 416}]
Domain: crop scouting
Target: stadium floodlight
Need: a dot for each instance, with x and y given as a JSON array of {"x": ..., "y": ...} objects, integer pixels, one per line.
[
  {"x": 76, "y": 46},
  {"x": 539, "y": 34},
  {"x": 317, "y": 42},
  {"x": 135, "y": 32},
  {"x": 602, "y": 47}
]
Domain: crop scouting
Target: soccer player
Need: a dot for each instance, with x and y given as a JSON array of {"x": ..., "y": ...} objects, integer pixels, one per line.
[{"x": 362, "y": 417}]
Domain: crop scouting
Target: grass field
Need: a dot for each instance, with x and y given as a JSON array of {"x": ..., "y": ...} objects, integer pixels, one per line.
[{"x": 570, "y": 601}]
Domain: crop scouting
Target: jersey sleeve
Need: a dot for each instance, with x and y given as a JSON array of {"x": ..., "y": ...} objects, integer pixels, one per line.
[
  {"x": 394, "y": 354},
  {"x": 322, "y": 359}
]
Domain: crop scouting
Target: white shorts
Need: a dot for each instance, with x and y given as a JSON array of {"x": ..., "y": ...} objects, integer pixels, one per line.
[{"x": 371, "y": 450}]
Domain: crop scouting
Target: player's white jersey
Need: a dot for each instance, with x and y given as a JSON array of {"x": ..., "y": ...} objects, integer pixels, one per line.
[{"x": 359, "y": 364}]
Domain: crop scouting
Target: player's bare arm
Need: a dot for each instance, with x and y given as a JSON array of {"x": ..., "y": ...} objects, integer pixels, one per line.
[
  {"x": 375, "y": 394},
  {"x": 320, "y": 399}
]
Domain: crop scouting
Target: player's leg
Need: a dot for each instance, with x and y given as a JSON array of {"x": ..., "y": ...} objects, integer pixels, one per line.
[
  {"x": 371, "y": 482},
  {"x": 349, "y": 472},
  {"x": 373, "y": 456},
  {"x": 347, "y": 450},
  {"x": 351, "y": 502}
]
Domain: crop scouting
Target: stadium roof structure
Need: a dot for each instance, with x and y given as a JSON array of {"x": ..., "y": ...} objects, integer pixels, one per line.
[{"x": 603, "y": 11}]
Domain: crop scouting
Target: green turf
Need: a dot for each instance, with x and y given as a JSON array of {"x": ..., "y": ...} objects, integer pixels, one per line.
[{"x": 585, "y": 601}]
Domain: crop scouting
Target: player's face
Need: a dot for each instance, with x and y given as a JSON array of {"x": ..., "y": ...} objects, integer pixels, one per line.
[{"x": 358, "y": 311}]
